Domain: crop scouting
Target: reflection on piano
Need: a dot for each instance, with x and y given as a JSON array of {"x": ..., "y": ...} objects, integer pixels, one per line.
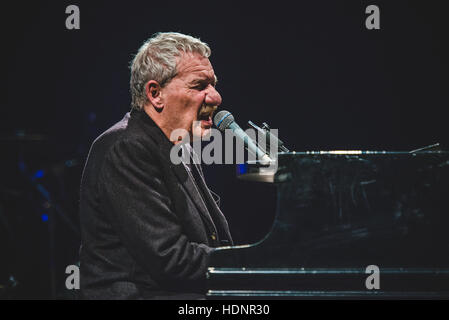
[{"x": 338, "y": 213}]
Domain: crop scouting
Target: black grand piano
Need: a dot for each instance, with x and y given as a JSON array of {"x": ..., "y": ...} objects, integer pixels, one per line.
[{"x": 348, "y": 224}]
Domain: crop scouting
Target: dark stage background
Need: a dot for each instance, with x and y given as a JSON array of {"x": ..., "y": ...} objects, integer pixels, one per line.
[{"x": 311, "y": 69}]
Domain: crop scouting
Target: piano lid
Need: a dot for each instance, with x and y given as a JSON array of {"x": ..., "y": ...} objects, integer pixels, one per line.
[{"x": 254, "y": 171}]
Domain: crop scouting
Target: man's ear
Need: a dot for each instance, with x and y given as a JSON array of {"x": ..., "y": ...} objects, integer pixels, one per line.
[{"x": 153, "y": 93}]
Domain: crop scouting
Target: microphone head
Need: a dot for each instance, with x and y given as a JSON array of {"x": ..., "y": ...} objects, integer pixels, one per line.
[{"x": 223, "y": 119}]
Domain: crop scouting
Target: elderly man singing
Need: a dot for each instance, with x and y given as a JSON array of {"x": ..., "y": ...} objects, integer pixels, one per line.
[{"x": 148, "y": 225}]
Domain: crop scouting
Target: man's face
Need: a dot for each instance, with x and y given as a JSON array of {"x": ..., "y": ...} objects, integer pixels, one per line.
[{"x": 191, "y": 96}]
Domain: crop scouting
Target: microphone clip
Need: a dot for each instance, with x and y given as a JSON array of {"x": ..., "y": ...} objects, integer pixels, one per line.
[{"x": 265, "y": 130}]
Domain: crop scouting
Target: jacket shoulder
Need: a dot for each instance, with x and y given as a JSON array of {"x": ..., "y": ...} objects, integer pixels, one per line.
[
  {"x": 126, "y": 138},
  {"x": 127, "y": 133}
]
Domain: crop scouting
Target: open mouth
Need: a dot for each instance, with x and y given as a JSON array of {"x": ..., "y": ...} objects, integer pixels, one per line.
[{"x": 205, "y": 115}]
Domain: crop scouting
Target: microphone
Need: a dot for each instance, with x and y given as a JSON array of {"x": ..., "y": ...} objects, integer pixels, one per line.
[{"x": 225, "y": 120}]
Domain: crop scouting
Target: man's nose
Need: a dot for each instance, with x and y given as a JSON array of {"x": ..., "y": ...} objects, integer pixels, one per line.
[{"x": 213, "y": 98}]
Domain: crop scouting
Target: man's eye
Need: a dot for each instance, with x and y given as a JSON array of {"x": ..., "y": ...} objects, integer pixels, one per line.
[{"x": 200, "y": 87}]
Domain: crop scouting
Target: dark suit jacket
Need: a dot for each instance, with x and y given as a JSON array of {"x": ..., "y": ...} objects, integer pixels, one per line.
[{"x": 146, "y": 231}]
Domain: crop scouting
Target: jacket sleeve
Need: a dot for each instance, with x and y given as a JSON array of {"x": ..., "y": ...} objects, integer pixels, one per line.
[{"x": 134, "y": 195}]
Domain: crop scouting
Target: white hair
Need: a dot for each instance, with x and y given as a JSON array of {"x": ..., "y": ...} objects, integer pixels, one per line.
[{"x": 156, "y": 60}]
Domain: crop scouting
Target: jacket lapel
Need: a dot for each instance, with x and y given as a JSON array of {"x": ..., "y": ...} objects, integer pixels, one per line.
[
  {"x": 218, "y": 216},
  {"x": 181, "y": 171},
  {"x": 217, "y": 212},
  {"x": 185, "y": 178}
]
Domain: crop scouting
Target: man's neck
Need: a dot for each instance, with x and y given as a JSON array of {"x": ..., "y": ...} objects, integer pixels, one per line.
[{"x": 159, "y": 121}]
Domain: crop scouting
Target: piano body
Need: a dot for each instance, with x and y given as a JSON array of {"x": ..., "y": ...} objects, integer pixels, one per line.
[{"x": 345, "y": 220}]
